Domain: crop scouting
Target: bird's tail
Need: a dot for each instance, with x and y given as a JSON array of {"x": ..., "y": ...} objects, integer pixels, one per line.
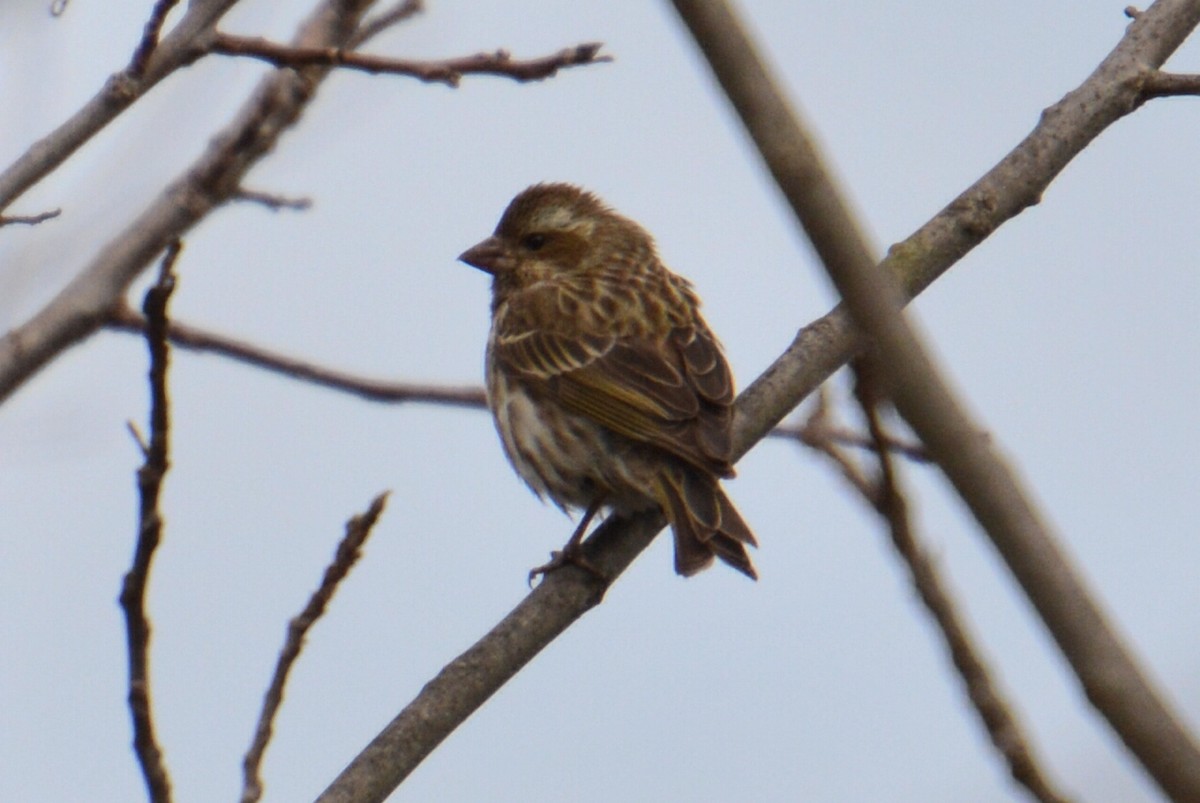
[{"x": 705, "y": 522}]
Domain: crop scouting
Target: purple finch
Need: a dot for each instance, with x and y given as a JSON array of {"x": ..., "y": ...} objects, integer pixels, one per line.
[{"x": 608, "y": 388}]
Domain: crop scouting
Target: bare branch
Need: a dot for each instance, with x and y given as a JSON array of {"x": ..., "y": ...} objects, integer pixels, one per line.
[
  {"x": 271, "y": 201},
  {"x": 1160, "y": 84},
  {"x": 133, "y": 588},
  {"x": 819, "y": 430},
  {"x": 127, "y": 320},
  {"x": 376, "y": 25},
  {"x": 29, "y": 220},
  {"x": 811, "y": 434},
  {"x": 994, "y": 712},
  {"x": 470, "y": 679},
  {"x": 445, "y": 71},
  {"x": 348, "y": 551},
  {"x": 145, "y": 48}
]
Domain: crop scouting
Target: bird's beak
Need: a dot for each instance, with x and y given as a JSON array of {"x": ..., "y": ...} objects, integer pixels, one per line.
[{"x": 490, "y": 256}]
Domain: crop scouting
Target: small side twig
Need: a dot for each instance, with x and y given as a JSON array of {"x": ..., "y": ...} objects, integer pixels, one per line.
[
  {"x": 271, "y": 201},
  {"x": 444, "y": 71},
  {"x": 153, "y": 27},
  {"x": 348, "y": 552},
  {"x": 1160, "y": 84},
  {"x": 149, "y": 478},
  {"x": 819, "y": 430},
  {"x": 386, "y": 19},
  {"x": 994, "y": 712},
  {"x": 29, "y": 220}
]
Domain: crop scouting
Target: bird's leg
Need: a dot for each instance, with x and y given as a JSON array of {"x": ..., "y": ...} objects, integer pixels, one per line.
[{"x": 572, "y": 551}]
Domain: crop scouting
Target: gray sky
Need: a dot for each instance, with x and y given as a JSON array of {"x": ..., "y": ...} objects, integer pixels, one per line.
[{"x": 1071, "y": 333}]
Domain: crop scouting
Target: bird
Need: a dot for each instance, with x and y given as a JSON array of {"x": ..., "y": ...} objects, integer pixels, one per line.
[{"x": 608, "y": 389}]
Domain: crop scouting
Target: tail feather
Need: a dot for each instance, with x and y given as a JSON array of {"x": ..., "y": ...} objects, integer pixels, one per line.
[{"x": 705, "y": 523}]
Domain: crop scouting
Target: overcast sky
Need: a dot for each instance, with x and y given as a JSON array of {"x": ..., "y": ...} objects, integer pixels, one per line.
[{"x": 1071, "y": 332}]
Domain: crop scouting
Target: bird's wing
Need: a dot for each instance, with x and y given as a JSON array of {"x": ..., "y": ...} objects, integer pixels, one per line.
[{"x": 674, "y": 393}]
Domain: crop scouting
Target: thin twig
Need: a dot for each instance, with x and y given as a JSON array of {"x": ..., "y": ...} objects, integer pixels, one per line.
[
  {"x": 29, "y": 220},
  {"x": 444, "y": 71},
  {"x": 883, "y": 494},
  {"x": 994, "y": 711},
  {"x": 271, "y": 201},
  {"x": 149, "y": 479},
  {"x": 819, "y": 429},
  {"x": 818, "y": 422},
  {"x": 376, "y": 25},
  {"x": 358, "y": 529},
  {"x": 150, "y": 32},
  {"x": 125, "y": 319}
]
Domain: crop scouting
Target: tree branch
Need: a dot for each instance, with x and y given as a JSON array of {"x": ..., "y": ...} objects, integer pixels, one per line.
[
  {"x": 358, "y": 529},
  {"x": 276, "y": 203},
  {"x": 993, "y": 710},
  {"x": 125, "y": 319},
  {"x": 133, "y": 588},
  {"x": 29, "y": 220},
  {"x": 153, "y": 27},
  {"x": 818, "y": 430},
  {"x": 386, "y": 19},
  {"x": 1165, "y": 85},
  {"x": 444, "y": 71}
]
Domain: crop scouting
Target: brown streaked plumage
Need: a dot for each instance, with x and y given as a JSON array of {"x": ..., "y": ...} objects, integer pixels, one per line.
[{"x": 607, "y": 386}]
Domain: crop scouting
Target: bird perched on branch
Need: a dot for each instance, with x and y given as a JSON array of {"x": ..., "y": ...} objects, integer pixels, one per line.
[{"x": 608, "y": 388}]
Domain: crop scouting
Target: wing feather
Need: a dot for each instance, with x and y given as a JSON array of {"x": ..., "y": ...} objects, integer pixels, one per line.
[{"x": 673, "y": 393}]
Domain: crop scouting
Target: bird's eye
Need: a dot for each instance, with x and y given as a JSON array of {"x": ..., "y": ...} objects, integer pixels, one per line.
[{"x": 534, "y": 241}]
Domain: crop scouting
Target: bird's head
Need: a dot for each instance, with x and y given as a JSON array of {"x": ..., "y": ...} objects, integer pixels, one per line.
[{"x": 553, "y": 231}]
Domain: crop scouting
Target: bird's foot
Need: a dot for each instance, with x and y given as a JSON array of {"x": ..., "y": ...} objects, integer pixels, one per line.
[{"x": 571, "y": 554}]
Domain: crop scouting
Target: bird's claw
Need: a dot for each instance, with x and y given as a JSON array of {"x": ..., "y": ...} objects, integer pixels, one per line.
[{"x": 564, "y": 557}]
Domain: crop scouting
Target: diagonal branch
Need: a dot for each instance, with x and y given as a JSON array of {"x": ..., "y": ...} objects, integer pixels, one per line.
[
  {"x": 994, "y": 713},
  {"x": 358, "y": 529},
  {"x": 150, "y": 34},
  {"x": 401, "y": 11},
  {"x": 1111, "y": 677},
  {"x": 819, "y": 349}
]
